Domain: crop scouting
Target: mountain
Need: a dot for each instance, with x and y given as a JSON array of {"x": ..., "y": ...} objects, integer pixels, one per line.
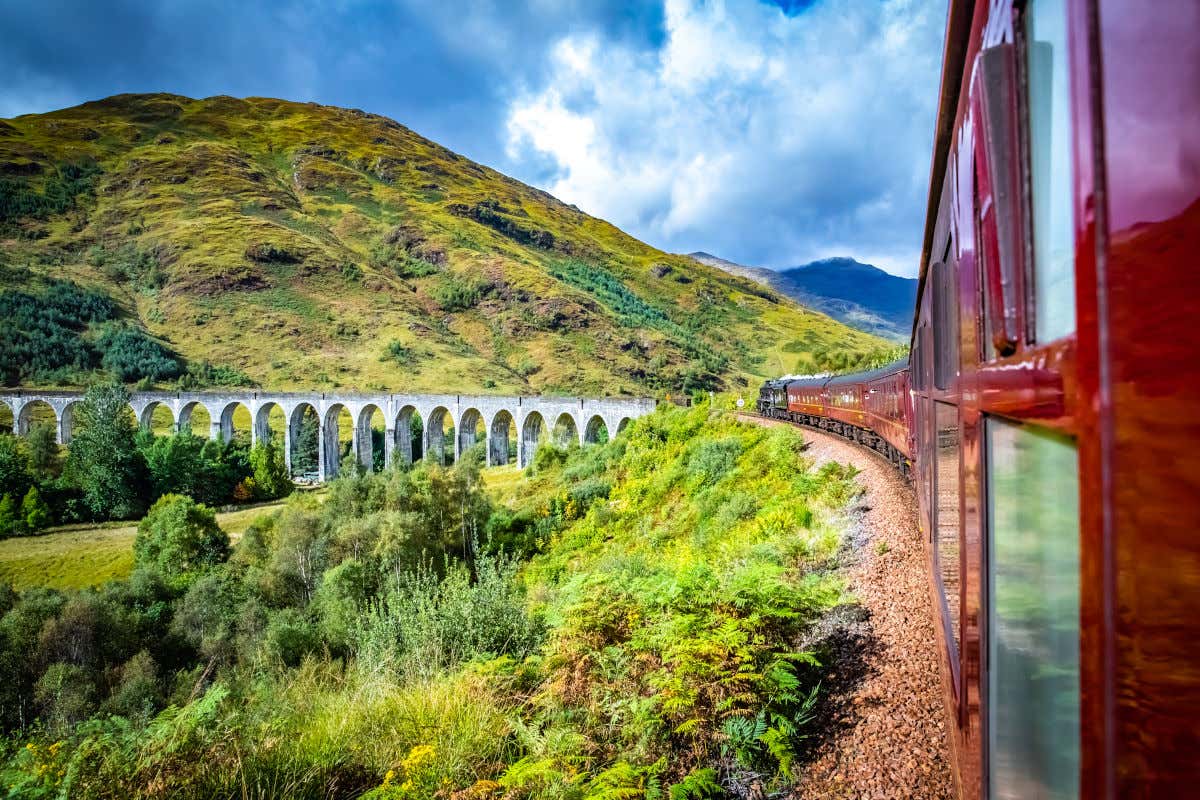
[
  {"x": 297, "y": 245},
  {"x": 859, "y": 295},
  {"x": 760, "y": 275}
]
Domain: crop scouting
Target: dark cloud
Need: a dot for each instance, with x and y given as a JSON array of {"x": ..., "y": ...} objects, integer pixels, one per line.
[
  {"x": 445, "y": 69},
  {"x": 768, "y": 131}
]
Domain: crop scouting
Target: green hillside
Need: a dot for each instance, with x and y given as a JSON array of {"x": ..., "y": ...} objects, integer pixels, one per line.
[{"x": 295, "y": 245}]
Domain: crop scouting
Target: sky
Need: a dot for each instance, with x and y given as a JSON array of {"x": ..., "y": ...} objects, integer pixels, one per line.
[{"x": 767, "y": 132}]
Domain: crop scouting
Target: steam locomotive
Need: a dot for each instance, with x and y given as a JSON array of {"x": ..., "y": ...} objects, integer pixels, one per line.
[{"x": 1049, "y": 411}]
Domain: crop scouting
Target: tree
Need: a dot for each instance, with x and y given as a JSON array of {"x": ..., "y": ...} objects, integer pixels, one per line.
[
  {"x": 180, "y": 538},
  {"x": 104, "y": 461},
  {"x": 205, "y": 470},
  {"x": 11, "y": 523},
  {"x": 34, "y": 511},
  {"x": 271, "y": 477},
  {"x": 15, "y": 477},
  {"x": 308, "y": 440},
  {"x": 42, "y": 446}
]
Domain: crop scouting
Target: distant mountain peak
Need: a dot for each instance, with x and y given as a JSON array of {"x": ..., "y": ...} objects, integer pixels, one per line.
[{"x": 858, "y": 294}]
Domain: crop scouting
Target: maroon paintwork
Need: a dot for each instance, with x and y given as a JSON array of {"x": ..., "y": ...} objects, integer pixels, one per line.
[{"x": 1125, "y": 386}]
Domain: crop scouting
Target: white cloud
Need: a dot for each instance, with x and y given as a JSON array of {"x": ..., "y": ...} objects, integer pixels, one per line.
[{"x": 764, "y": 138}]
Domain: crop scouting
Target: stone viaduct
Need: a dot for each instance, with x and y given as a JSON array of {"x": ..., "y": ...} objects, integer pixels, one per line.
[{"x": 576, "y": 418}]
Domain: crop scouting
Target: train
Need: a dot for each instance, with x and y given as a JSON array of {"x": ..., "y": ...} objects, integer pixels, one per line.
[{"x": 1048, "y": 413}]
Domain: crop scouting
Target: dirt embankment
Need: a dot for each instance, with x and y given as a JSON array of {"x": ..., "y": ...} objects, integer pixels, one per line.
[{"x": 885, "y": 731}]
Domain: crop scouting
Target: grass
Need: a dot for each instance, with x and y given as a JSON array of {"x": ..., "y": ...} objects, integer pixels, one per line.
[
  {"x": 76, "y": 556},
  {"x": 207, "y": 183}
]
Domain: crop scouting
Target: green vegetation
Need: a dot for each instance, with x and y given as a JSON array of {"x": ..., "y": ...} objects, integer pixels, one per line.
[
  {"x": 627, "y": 626},
  {"x": 82, "y": 555},
  {"x": 42, "y": 335},
  {"x": 114, "y": 471},
  {"x": 256, "y": 234},
  {"x": 58, "y": 194}
]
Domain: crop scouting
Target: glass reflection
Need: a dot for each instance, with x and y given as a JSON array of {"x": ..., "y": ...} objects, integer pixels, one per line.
[{"x": 1033, "y": 630}]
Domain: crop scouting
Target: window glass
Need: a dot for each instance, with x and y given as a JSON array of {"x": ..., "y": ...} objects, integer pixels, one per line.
[
  {"x": 946, "y": 485},
  {"x": 984, "y": 324},
  {"x": 1050, "y": 169},
  {"x": 1033, "y": 622}
]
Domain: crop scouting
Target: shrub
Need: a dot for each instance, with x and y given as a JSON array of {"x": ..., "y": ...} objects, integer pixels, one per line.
[
  {"x": 66, "y": 694},
  {"x": 290, "y": 637},
  {"x": 426, "y": 624},
  {"x": 455, "y": 293},
  {"x": 34, "y": 511},
  {"x": 15, "y": 475},
  {"x": 179, "y": 538},
  {"x": 205, "y": 374},
  {"x": 206, "y": 470},
  {"x": 137, "y": 693},
  {"x": 71, "y": 180},
  {"x": 11, "y": 521},
  {"x": 42, "y": 445},
  {"x": 144, "y": 269},
  {"x": 270, "y": 478},
  {"x": 41, "y": 336},
  {"x": 398, "y": 353}
]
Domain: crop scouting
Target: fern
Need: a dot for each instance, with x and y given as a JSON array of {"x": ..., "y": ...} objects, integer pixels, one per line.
[{"x": 700, "y": 784}]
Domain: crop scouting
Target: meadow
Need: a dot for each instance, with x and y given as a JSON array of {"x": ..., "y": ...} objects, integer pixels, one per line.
[{"x": 91, "y": 554}]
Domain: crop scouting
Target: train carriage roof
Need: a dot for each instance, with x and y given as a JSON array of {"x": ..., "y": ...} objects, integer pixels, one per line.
[
  {"x": 808, "y": 383},
  {"x": 899, "y": 365}
]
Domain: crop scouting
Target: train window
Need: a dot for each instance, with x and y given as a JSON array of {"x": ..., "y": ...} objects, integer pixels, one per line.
[
  {"x": 946, "y": 541},
  {"x": 1050, "y": 169},
  {"x": 1033, "y": 612},
  {"x": 945, "y": 324}
]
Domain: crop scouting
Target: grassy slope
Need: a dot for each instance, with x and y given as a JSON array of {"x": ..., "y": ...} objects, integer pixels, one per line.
[{"x": 199, "y": 182}]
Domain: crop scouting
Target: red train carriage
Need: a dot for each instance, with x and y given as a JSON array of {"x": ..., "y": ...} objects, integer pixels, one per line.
[
  {"x": 888, "y": 407},
  {"x": 1056, "y": 395},
  {"x": 843, "y": 399},
  {"x": 806, "y": 399},
  {"x": 1054, "y": 406}
]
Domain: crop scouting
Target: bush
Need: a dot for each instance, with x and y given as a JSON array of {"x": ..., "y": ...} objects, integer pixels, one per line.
[
  {"x": 271, "y": 478},
  {"x": 127, "y": 263},
  {"x": 426, "y": 624},
  {"x": 65, "y": 694},
  {"x": 12, "y": 523},
  {"x": 34, "y": 511},
  {"x": 290, "y": 637},
  {"x": 179, "y": 538},
  {"x": 205, "y": 374},
  {"x": 454, "y": 293},
  {"x": 15, "y": 474},
  {"x": 41, "y": 336},
  {"x": 42, "y": 445},
  {"x": 206, "y": 470},
  {"x": 137, "y": 694},
  {"x": 19, "y": 199}
]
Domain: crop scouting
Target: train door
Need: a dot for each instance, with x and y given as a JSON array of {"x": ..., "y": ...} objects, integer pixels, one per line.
[{"x": 1024, "y": 247}]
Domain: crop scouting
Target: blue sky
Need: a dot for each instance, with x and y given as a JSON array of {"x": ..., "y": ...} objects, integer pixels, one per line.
[{"x": 769, "y": 133}]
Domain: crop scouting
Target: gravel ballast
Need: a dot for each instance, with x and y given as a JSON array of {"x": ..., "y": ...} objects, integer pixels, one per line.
[{"x": 887, "y": 737}]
